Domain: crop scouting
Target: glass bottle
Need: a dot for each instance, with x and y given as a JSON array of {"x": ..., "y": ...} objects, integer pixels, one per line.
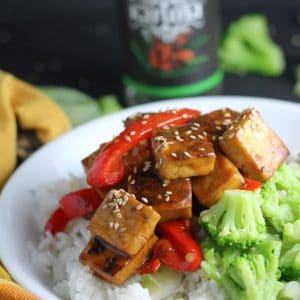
[{"x": 170, "y": 49}]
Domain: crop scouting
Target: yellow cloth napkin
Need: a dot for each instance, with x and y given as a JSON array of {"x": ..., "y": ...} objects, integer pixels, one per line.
[
  {"x": 19, "y": 101},
  {"x": 33, "y": 110}
]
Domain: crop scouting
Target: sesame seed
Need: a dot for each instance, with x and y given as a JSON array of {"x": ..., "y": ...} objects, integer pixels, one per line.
[
  {"x": 227, "y": 122},
  {"x": 166, "y": 183},
  {"x": 159, "y": 196},
  {"x": 218, "y": 128},
  {"x": 167, "y": 198},
  {"x": 123, "y": 229},
  {"x": 200, "y": 136},
  {"x": 119, "y": 215},
  {"x": 213, "y": 137},
  {"x": 194, "y": 128},
  {"x": 116, "y": 210},
  {"x": 188, "y": 132},
  {"x": 132, "y": 181},
  {"x": 179, "y": 139},
  {"x": 169, "y": 192},
  {"x": 166, "y": 127},
  {"x": 185, "y": 116},
  {"x": 187, "y": 154},
  {"x": 144, "y": 199},
  {"x": 196, "y": 124},
  {"x": 129, "y": 178},
  {"x": 201, "y": 149},
  {"x": 111, "y": 224},
  {"x": 127, "y": 138},
  {"x": 116, "y": 226},
  {"x": 146, "y": 116},
  {"x": 174, "y": 154},
  {"x": 132, "y": 132},
  {"x": 204, "y": 133},
  {"x": 144, "y": 122},
  {"x": 231, "y": 136},
  {"x": 193, "y": 137},
  {"x": 126, "y": 198},
  {"x": 135, "y": 170},
  {"x": 218, "y": 122},
  {"x": 104, "y": 206},
  {"x": 139, "y": 206},
  {"x": 176, "y": 132},
  {"x": 227, "y": 115},
  {"x": 220, "y": 138}
]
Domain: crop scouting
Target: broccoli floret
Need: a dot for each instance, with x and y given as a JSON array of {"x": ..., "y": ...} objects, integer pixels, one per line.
[
  {"x": 245, "y": 273},
  {"x": 236, "y": 220},
  {"x": 281, "y": 196},
  {"x": 289, "y": 264},
  {"x": 248, "y": 47},
  {"x": 291, "y": 291},
  {"x": 290, "y": 235},
  {"x": 247, "y": 278}
]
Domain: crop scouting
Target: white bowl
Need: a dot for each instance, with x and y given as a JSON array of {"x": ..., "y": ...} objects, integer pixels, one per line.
[{"x": 58, "y": 159}]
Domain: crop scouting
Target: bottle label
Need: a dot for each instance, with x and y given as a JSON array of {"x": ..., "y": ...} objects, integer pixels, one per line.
[{"x": 172, "y": 43}]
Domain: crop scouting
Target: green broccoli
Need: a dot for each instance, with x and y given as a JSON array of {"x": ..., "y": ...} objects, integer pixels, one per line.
[
  {"x": 289, "y": 264},
  {"x": 281, "y": 196},
  {"x": 291, "y": 291},
  {"x": 290, "y": 235},
  {"x": 248, "y": 47},
  {"x": 236, "y": 220},
  {"x": 247, "y": 278},
  {"x": 245, "y": 273}
]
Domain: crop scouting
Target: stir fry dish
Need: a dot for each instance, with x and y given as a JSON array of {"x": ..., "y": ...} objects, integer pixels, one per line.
[{"x": 149, "y": 184}]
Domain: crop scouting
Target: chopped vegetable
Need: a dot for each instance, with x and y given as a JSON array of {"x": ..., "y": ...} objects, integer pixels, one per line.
[
  {"x": 236, "y": 220},
  {"x": 57, "y": 221},
  {"x": 80, "y": 203},
  {"x": 290, "y": 235},
  {"x": 246, "y": 274},
  {"x": 281, "y": 196},
  {"x": 164, "y": 283},
  {"x": 290, "y": 264},
  {"x": 248, "y": 47},
  {"x": 251, "y": 185},
  {"x": 291, "y": 291},
  {"x": 73, "y": 205},
  {"x": 178, "y": 249},
  {"x": 108, "y": 168},
  {"x": 248, "y": 278},
  {"x": 150, "y": 266}
]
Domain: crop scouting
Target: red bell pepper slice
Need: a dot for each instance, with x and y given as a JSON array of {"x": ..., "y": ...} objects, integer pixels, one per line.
[
  {"x": 150, "y": 266},
  {"x": 57, "y": 222},
  {"x": 178, "y": 249},
  {"x": 80, "y": 203},
  {"x": 73, "y": 205},
  {"x": 108, "y": 168},
  {"x": 251, "y": 185}
]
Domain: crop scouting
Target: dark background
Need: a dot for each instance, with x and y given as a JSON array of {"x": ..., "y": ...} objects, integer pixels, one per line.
[{"x": 77, "y": 43}]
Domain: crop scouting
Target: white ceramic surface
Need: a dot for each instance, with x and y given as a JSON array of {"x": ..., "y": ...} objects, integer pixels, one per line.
[{"x": 58, "y": 159}]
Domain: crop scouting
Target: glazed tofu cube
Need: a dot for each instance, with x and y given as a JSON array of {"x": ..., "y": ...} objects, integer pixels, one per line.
[
  {"x": 182, "y": 152},
  {"x": 124, "y": 222},
  {"x": 171, "y": 199},
  {"x": 253, "y": 147},
  {"x": 216, "y": 122},
  {"x": 225, "y": 176},
  {"x": 113, "y": 266}
]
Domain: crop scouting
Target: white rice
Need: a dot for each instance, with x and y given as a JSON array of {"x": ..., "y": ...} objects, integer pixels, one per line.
[{"x": 57, "y": 256}]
